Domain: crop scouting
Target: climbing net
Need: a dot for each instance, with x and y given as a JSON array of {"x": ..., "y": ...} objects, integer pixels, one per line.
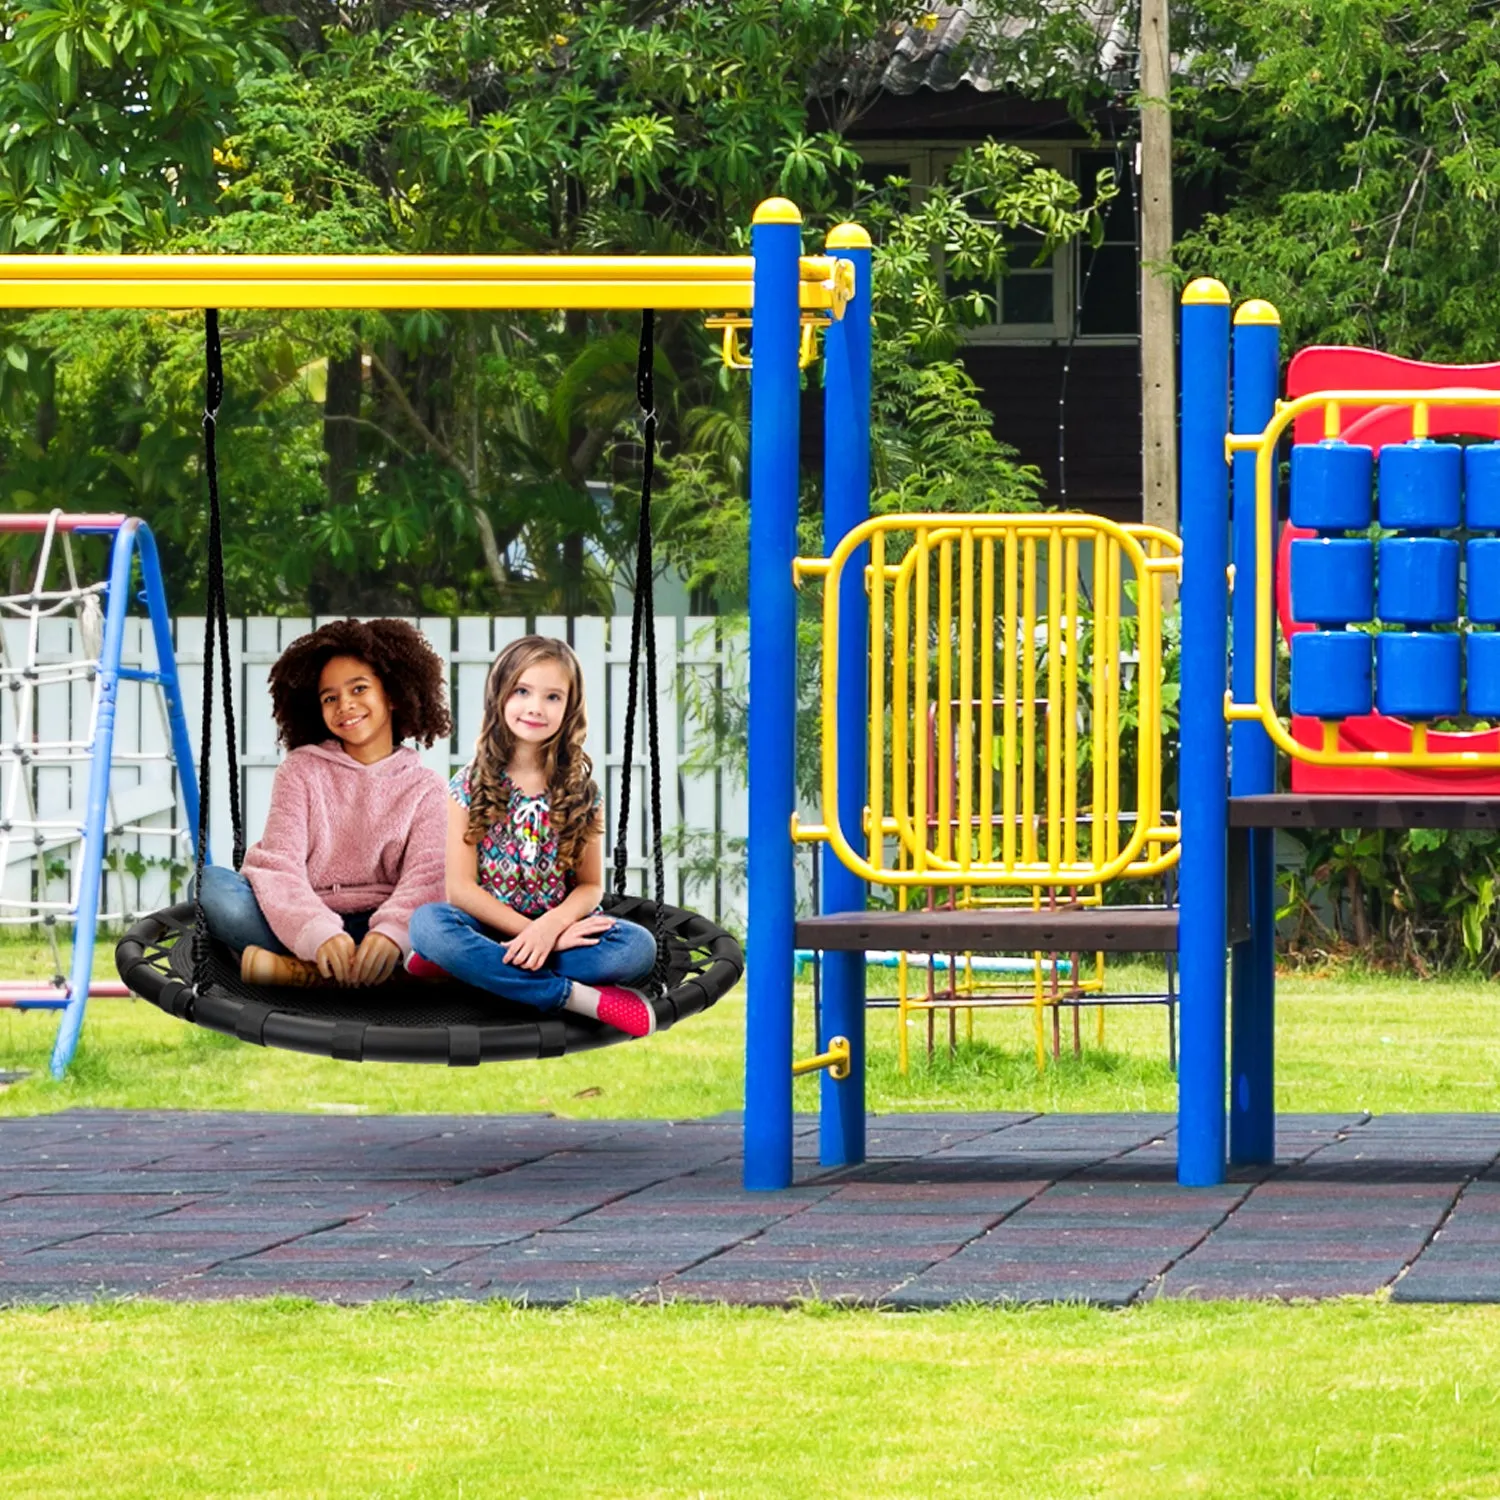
[{"x": 52, "y": 642}]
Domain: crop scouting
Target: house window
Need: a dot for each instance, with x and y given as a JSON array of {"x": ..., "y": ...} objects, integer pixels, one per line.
[
  {"x": 1036, "y": 302},
  {"x": 1108, "y": 287}
]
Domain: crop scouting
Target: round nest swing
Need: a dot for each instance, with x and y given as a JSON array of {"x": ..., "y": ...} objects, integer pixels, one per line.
[
  {"x": 170, "y": 959},
  {"x": 408, "y": 1020}
]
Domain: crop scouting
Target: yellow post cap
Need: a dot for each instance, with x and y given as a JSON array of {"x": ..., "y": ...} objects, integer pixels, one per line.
[
  {"x": 1257, "y": 311},
  {"x": 848, "y": 237},
  {"x": 778, "y": 211},
  {"x": 1205, "y": 289}
]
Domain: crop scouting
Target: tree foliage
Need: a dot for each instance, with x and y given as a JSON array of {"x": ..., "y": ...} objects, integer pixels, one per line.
[
  {"x": 1358, "y": 145},
  {"x": 438, "y": 461}
]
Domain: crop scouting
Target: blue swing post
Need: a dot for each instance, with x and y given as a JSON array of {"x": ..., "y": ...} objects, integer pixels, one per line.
[
  {"x": 1252, "y": 765},
  {"x": 775, "y": 389},
  {"x": 1204, "y": 742},
  {"x": 846, "y": 502},
  {"x": 132, "y": 540}
]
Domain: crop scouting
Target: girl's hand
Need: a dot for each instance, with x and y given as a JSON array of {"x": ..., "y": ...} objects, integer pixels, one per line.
[
  {"x": 529, "y": 948},
  {"x": 586, "y": 933},
  {"x": 335, "y": 959},
  {"x": 376, "y": 959}
]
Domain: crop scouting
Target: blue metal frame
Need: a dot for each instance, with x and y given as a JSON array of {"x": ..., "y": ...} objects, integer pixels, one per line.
[
  {"x": 846, "y": 502},
  {"x": 775, "y": 389},
  {"x": 1204, "y": 743},
  {"x": 133, "y": 540},
  {"x": 1252, "y": 767}
]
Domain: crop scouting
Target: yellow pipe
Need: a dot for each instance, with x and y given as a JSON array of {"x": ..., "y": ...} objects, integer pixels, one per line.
[
  {"x": 942, "y": 767},
  {"x": 1028, "y": 698},
  {"x": 836, "y": 1059},
  {"x": 919, "y": 700},
  {"x": 546, "y": 282},
  {"x": 1011, "y": 708},
  {"x": 1055, "y": 649},
  {"x": 966, "y": 625},
  {"x": 986, "y": 623},
  {"x": 1069, "y": 642},
  {"x": 877, "y": 700}
]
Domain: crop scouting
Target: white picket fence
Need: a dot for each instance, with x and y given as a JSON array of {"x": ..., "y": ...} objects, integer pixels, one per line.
[{"x": 695, "y": 659}]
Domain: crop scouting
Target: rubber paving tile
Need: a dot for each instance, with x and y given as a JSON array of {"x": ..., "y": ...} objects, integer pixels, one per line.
[{"x": 100, "y": 1204}]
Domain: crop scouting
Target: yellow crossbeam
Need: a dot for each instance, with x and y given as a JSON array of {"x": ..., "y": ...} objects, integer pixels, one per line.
[{"x": 544, "y": 282}]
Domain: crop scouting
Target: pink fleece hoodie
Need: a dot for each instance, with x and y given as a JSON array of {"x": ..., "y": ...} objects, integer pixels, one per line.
[{"x": 342, "y": 837}]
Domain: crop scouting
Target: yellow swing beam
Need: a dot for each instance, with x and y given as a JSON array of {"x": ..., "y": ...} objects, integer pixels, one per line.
[{"x": 543, "y": 282}]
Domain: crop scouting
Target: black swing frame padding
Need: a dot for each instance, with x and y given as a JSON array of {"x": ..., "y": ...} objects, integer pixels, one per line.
[
  {"x": 406, "y": 1020},
  {"x": 170, "y": 958}
]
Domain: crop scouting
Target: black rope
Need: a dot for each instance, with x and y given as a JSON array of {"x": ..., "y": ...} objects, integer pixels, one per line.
[
  {"x": 643, "y": 631},
  {"x": 215, "y": 631}
]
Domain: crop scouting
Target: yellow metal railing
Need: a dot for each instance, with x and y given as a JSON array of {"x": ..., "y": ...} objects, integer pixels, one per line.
[
  {"x": 1263, "y": 445},
  {"x": 998, "y": 707}
]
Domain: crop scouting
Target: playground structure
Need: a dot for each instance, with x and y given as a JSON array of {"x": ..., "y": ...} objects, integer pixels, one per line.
[
  {"x": 62, "y": 651},
  {"x": 1395, "y": 598},
  {"x": 912, "y": 607}
]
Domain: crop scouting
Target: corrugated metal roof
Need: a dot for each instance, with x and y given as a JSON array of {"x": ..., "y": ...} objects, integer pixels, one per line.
[{"x": 958, "y": 44}]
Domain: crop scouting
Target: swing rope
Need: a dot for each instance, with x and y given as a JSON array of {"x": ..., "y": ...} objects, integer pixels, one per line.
[
  {"x": 643, "y": 631},
  {"x": 215, "y": 632}
]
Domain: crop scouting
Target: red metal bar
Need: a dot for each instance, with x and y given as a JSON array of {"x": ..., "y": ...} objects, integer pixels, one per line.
[{"x": 28, "y": 523}]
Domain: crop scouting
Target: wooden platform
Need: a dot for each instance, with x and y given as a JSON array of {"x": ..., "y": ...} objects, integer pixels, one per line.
[
  {"x": 1089, "y": 929},
  {"x": 1301, "y": 810}
]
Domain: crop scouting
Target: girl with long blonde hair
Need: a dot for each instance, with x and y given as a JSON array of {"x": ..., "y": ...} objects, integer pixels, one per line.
[{"x": 525, "y": 857}]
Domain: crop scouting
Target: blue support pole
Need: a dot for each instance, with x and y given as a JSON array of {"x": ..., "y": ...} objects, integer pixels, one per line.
[
  {"x": 776, "y": 243},
  {"x": 1252, "y": 767},
  {"x": 131, "y": 540},
  {"x": 846, "y": 502},
  {"x": 1203, "y": 746}
]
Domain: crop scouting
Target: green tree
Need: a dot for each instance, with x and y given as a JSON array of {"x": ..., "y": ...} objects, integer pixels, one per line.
[{"x": 483, "y": 460}]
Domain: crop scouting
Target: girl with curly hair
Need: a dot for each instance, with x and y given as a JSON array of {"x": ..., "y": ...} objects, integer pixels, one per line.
[
  {"x": 525, "y": 866},
  {"x": 353, "y": 841}
]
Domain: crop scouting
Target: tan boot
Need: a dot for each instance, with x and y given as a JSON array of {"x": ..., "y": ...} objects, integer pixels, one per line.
[{"x": 261, "y": 966}]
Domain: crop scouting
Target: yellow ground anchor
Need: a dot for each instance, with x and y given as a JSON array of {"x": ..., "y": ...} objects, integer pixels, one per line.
[{"x": 837, "y": 1059}]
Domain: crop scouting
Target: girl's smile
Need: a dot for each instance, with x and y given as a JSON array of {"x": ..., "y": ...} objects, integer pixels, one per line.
[
  {"x": 355, "y": 708},
  {"x": 534, "y": 711}
]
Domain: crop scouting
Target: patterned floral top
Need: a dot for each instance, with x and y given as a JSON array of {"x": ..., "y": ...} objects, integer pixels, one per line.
[{"x": 517, "y": 860}]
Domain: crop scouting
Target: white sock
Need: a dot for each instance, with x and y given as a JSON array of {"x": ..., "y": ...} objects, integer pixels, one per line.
[{"x": 583, "y": 1000}]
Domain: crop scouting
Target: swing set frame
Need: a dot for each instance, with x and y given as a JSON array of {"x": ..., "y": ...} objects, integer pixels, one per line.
[{"x": 781, "y": 289}]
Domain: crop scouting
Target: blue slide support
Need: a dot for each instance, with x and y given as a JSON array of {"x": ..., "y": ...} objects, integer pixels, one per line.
[
  {"x": 1204, "y": 742},
  {"x": 846, "y": 502},
  {"x": 1252, "y": 1107},
  {"x": 132, "y": 539},
  {"x": 775, "y": 384}
]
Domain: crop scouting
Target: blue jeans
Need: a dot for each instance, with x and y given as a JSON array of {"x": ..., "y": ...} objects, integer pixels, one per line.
[
  {"x": 475, "y": 954},
  {"x": 235, "y": 918}
]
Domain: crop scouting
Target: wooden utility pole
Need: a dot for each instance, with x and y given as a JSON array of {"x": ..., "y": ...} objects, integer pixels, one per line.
[{"x": 1158, "y": 306}]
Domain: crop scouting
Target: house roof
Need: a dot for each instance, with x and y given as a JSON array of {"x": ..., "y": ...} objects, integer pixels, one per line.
[{"x": 963, "y": 44}]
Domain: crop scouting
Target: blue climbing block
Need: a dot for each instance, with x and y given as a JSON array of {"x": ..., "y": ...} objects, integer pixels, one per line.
[
  {"x": 1417, "y": 674},
  {"x": 1331, "y": 673},
  {"x": 1331, "y": 486},
  {"x": 1418, "y": 580},
  {"x": 1419, "y": 485},
  {"x": 1482, "y": 487},
  {"x": 1333, "y": 581},
  {"x": 1482, "y": 674}
]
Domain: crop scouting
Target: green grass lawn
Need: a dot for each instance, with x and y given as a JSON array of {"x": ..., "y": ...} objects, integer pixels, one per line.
[
  {"x": 280, "y": 1399},
  {"x": 1355, "y": 1399},
  {"x": 1351, "y": 1042}
]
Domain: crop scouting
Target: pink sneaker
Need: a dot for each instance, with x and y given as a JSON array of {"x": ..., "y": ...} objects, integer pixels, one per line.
[
  {"x": 422, "y": 968},
  {"x": 626, "y": 1010}
]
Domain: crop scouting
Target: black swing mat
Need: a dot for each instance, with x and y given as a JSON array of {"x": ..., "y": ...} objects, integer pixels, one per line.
[{"x": 406, "y": 1020}]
